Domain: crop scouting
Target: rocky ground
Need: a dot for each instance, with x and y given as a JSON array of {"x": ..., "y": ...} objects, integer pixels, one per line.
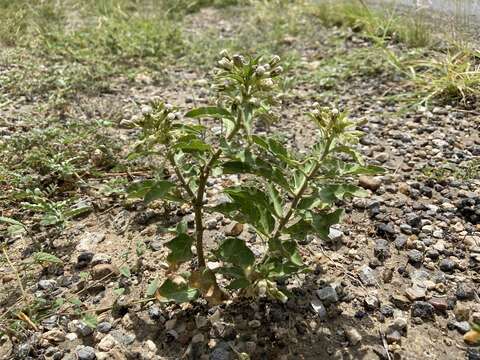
[{"x": 399, "y": 279}]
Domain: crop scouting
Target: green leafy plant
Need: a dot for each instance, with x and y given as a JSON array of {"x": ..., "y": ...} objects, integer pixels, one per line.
[
  {"x": 285, "y": 196},
  {"x": 53, "y": 213}
]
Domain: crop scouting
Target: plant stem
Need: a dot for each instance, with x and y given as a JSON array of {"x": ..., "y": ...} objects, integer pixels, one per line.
[
  {"x": 198, "y": 199},
  {"x": 298, "y": 196},
  {"x": 180, "y": 176}
]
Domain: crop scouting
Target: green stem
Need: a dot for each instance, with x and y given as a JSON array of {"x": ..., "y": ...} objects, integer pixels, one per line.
[
  {"x": 198, "y": 199},
  {"x": 298, "y": 196},
  {"x": 180, "y": 176}
]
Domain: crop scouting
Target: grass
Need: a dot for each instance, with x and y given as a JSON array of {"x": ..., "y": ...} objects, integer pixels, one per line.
[{"x": 385, "y": 25}]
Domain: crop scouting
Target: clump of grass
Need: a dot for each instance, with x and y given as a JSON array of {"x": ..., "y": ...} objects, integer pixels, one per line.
[
  {"x": 381, "y": 26},
  {"x": 447, "y": 78}
]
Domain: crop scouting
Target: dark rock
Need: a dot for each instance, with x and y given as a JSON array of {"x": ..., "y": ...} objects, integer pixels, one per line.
[
  {"x": 399, "y": 301},
  {"x": 447, "y": 265},
  {"x": 221, "y": 352},
  {"x": 415, "y": 257},
  {"x": 381, "y": 250},
  {"x": 386, "y": 310},
  {"x": 464, "y": 292},
  {"x": 400, "y": 241},
  {"x": 386, "y": 231},
  {"x": 104, "y": 327},
  {"x": 84, "y": 259},
  {"x": 423, "y": 310}
]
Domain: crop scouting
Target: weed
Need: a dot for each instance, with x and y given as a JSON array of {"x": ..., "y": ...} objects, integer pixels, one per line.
[
  {"x": 381, "y": 26},
  {"x": 287, "y": 195}
]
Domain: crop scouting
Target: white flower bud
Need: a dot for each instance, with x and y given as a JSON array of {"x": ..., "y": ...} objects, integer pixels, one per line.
[
  {"x": 226, "y": 64},
  {"x": 335, "y": 111},
  {"x": 276, "y": 71},
  {"x": 168, "y": 106},
  {"x": 267, "y": 67},
  {"x": 316, "y": 112},
  {"x": 274, "y": 60},
  {"x": 146, "y": 109},
  {"x": 238, "y": 60},
  {"x": 267, "y": 83},
  {"x": 260, "y": 71},
  {"x": 171, "y": 116},
  {"x": 316, "y": 104}
]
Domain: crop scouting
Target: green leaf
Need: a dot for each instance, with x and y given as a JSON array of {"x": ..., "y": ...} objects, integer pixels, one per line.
[
  {"x": 158, "y": 191},
  {"x": 152, "y": 288},
  {"x": 275, "y": 199},
  {"x": 140, "y": 189},
  {"x": 322, "y": 222},
  {"x": 50, "y": 219},
  {"x": 236, "y": 252},
  {"x": 352, "y": 152},
  {"x": 90, "y": 320},
  {"x": 15, "y": 227},
  {"x": 119, "y": 291},
  {"x": 209, "y": 111},
  {"x": 76, "y": 211},
  {"x": 46, "y": 258},
  {"x": 333, "y": 192},
  {"x": 292, "y": 253},
  {"x": 178, "y": 292},
  {"x": 180, "y": 248},
  {"x": 189, "y": 144},
  {"x": 125, "y": 271}
]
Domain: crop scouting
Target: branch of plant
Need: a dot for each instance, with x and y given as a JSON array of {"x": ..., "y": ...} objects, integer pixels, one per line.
[
  {"x": 298, "y": 196},
  {"x": 198, "y": 202}
]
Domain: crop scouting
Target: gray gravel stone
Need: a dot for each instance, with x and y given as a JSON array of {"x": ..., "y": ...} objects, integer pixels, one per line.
[{"x": 86, "y": 353}]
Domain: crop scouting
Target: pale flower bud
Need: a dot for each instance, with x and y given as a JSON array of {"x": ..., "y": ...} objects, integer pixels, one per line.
[
  {"x": 274, "y": 60},
  {"x": 226, "y": 64},
  {"x": 260, "y": 71},
  {"x": 238, "y": 60},
  {"x": 171, "y": 116},
  {"x": 276, "y": 71},
  {"x": 146, "y": 109},
  {"x": 316, "y": 112},
  {"x": 267, "y": 67},
  {"x": 335, "y": 111},
  {"x": 268, "y": 83},
  {"x": 316, "y": 104},
  {"x": 168, "y": 106}
]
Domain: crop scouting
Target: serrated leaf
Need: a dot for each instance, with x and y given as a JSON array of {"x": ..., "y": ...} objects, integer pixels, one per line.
[
  {"x": 209, "y": 111},
  {"x": 158, "y": 191},
  {"x": 46, "y": 258},
  {"x": 180, "y": 248},
  {"x": 178, "y": 291},
  {"x": 236, "y": 252},
  {"x": 152, "y": 288}
]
